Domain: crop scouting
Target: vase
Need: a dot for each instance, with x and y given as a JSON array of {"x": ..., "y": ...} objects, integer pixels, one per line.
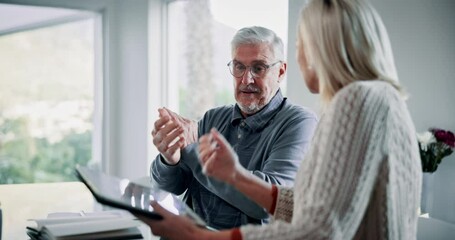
[{"x": 426, "y": 199}]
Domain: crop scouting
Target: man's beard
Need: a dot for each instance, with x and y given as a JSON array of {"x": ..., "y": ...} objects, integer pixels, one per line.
[{"x": 253, "y": 107}]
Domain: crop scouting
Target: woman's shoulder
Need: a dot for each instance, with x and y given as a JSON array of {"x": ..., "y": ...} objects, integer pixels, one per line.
[
  {"x": 368, "y": 85},
  {"x": 366, "y": 97},
  {"x": 371, "y": 89}
]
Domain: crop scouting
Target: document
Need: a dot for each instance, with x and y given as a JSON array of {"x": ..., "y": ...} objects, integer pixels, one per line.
[{"x": 101, "y": 225}]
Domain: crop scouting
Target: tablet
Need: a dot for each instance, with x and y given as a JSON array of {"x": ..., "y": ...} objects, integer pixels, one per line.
[{"x": 131, "y": 196}]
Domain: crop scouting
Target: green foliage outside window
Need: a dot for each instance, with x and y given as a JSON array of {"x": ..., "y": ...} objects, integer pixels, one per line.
[{"x": 25, "y": 159}]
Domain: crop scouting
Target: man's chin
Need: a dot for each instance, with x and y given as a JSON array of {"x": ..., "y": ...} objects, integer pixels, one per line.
[{"x": 249, "y": 109}]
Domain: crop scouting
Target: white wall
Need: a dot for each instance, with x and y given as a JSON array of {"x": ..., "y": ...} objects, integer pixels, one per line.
[
  {"x": 422, "y": 34},
  {"x": 296, "y": 89}
]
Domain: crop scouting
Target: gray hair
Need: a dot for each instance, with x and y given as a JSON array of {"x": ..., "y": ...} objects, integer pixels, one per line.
[
  {"x": 258, "y": 35},
  {"x": 346, "y": 41}
]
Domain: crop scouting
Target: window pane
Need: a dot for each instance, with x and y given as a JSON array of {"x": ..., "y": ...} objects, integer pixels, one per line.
[
  {"x": 46, "y": 102},
  {"x": 199, "y": 35}
]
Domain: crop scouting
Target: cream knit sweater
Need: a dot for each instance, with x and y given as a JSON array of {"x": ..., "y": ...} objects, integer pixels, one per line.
[{"x": 361, "y": 177}]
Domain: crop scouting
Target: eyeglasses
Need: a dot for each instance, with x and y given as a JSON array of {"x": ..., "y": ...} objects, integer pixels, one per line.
[{"x": 257, "y": 70}]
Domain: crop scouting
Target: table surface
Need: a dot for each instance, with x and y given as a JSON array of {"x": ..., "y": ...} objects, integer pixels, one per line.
[{"x": 20, "y": 202}]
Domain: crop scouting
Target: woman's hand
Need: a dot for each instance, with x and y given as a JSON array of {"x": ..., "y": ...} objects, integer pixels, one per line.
[
  {"x": 219, "y": 160},
  {"x": 171, "y": 226},
  {"x": 217, "y": 157}
]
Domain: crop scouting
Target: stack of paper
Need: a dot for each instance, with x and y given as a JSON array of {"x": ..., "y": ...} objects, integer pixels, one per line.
[{"x": 83, "y": 226}]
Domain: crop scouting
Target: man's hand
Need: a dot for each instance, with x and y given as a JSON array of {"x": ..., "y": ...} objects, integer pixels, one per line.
[{"x": 172, "y": 133}]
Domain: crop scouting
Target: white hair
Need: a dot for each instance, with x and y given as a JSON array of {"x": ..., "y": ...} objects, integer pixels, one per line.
[{"x": 258, "y": 35}]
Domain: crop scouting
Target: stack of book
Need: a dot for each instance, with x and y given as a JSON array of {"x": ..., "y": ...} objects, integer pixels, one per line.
[{"x": 83, "y": 226}]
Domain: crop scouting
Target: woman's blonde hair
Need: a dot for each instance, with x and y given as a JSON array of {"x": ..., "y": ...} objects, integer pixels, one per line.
[{"x": 345, "y": 41}]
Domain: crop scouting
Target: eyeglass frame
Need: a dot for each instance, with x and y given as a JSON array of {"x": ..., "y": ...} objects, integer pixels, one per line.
[{"x": 267, "y": 67}]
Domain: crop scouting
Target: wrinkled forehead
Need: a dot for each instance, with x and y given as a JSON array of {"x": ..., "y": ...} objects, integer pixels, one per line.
[{"x": 261, "y": 52}]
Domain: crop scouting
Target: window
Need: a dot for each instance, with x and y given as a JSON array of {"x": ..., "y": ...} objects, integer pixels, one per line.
[
  {"x": 46, "y": 102},
  {"x": 199, "y": 35},
  {"x": 48, "y": 122}
]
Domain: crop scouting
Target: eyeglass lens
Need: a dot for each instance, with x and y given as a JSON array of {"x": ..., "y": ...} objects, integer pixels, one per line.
[{"x": 256, "y": 70}]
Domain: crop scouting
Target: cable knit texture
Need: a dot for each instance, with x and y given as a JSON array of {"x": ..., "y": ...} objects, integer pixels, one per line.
[{"x": 362, "y": 175}]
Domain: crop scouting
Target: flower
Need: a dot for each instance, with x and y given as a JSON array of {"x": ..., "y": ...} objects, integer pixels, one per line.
[
  {"x": 446, "y": 137},
  {"x": 425, "y": 139},
  {"x": 434, "y": 145}
]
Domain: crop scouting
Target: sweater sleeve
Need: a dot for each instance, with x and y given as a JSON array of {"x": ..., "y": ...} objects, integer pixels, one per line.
[
  {"x": 284, "y": 204},
  {"x": 334, "y": 186}
]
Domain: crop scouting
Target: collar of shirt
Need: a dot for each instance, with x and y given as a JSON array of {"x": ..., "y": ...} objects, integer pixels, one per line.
[{"x": 260, "y": 119}]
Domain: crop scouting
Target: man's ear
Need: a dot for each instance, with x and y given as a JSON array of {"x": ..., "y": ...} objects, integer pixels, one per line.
[{"x": 282, "y": 71}]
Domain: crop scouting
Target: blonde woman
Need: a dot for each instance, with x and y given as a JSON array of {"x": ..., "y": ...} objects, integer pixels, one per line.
[{"x": 361, "y": 177}]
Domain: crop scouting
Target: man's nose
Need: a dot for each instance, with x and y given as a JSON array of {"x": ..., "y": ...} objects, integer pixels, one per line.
[{"x": 247, "y": 78}]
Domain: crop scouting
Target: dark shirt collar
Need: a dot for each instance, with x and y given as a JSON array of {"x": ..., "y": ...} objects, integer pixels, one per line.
[{"x": 260, "y": 119}]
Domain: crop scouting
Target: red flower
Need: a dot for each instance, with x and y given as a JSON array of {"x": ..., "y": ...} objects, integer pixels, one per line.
[{"x": 446, "y": 137}]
